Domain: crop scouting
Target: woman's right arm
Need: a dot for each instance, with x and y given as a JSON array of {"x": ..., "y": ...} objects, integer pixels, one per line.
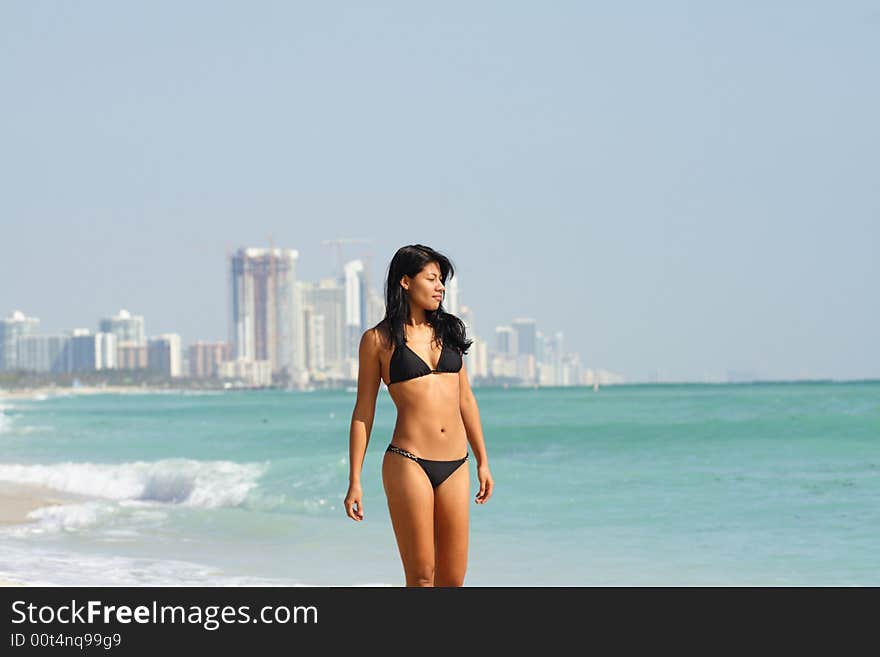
[{"x": 369, "y": 377}]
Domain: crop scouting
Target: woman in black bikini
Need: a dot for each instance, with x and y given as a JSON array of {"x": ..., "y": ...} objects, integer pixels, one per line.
[{"x": 424, "y": 469}]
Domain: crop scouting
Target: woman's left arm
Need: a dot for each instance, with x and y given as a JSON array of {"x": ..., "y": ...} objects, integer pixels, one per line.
[{"x": 470, "y": 415}]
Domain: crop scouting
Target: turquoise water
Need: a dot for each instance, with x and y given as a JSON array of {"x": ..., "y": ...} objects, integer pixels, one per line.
[{"x": 749, "y": 484}]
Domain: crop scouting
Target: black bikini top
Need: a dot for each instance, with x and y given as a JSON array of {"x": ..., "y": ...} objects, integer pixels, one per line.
[{"x": 407, "y": 364}]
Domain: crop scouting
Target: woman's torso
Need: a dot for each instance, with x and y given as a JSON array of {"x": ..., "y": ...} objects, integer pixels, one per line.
[{"x": 429, "y": 422}]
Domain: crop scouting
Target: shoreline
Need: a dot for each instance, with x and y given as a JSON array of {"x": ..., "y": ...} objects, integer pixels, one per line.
[
  {"x": 44, "y": 392},
  {"x": 17, "y": 500}
]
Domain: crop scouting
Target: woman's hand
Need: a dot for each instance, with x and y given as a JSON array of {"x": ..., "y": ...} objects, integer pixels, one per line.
[
  {"x": 354, "y": 504},
  {"x": 486, "y": 484}
]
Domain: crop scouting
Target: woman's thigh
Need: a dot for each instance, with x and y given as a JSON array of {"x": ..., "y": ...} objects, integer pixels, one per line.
[
  {"x": 411, "y": 507},
  {"x": 451, "y": 519}
]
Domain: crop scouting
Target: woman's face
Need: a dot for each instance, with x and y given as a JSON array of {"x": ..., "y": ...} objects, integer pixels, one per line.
[{"x": 425, "y": 289}]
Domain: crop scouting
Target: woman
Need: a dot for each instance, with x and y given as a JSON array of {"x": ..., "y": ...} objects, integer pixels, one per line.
[{"x": 416, "y": 350}]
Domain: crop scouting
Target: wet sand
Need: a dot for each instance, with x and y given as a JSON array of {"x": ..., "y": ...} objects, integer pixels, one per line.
[{"x": 17, "y": 500}]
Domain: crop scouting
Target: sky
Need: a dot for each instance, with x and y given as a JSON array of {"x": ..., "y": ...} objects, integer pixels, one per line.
[{"x": 683, "y": 189}]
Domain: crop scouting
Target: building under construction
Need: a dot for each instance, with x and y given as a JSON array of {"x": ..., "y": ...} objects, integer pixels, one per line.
[{"x": 265, "y": 324}]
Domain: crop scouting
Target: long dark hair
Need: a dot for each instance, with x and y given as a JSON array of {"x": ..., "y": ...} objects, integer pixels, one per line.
[{"x": 410, "y": 260}]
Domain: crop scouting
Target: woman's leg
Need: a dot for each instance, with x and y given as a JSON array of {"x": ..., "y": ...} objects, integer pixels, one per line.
[
  {"x": 451, "y": 510},
  {"x": 411, "y": 506}
]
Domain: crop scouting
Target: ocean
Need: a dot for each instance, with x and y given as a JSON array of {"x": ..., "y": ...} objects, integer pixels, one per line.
[{"x": 769, "y": 484}]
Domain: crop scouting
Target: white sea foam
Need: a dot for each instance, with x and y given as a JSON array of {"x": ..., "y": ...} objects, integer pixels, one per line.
[
  {"x": 102, "y": 515},
  {"x": 25, "y": 565},
  {"x": 9, "y": 426},
  {"x": 208, "y": 484},
  {"x": 66, "y": 517}
]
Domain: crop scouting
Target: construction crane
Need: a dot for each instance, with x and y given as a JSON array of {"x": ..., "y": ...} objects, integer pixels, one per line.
[{"x": 338, "y": 243}]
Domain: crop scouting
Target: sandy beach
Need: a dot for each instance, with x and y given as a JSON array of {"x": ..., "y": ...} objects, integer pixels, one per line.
[{"x": 17, "y": 500}]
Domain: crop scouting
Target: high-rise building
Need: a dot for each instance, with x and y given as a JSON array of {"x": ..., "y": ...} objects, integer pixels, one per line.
[
  {"x": 316, "y": 342},
  {"x": 505, "y": 341},
  {"x": 324, "y": 308},
  {"x": 552, "y": 370},
  {"x": 466, "y": 315},
  {"x": 163, "y": 354},
  {"x": 526, "y": 365},
  {"x": 128, "y": 328},
  {"x": 451, "y": 296},
  {"x": 355, "y": 307},
  {"x": 106, "y": 345},
  {"x": 540, "y": 346},
  {"x": 205, "y": 358},
  {"x": 525, "y": 335},
  {"x": 248, "y": 372},
  {"x": 131, "y": 356},
  {"x": 89, "y": 352},
  {"x": 11, "y": 329},
  {"x": 375, "y": 307},
  {"x": 43, "y": 353},
  {"x": 558, "y": 357},
  {"x": 265, "y": 313},
  {"x": 474, "y": 361},
  {"x": 477, "y": 359}
]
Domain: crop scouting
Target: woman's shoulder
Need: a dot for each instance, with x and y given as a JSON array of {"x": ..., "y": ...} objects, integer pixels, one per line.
[{"x": 379, "y": 335}]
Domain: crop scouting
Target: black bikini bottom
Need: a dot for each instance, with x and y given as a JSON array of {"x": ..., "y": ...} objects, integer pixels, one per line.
[{"x": 437, "y": 471}]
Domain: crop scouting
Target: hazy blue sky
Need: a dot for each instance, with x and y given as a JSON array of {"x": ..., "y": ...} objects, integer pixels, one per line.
[{"x": 682, "y": 188}]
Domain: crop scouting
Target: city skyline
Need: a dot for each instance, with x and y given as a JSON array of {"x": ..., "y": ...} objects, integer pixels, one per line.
[
  {"x": 286, "y": 331},
  {"x": 687, "y": 192},
  {"x": 337, "y": 276}
]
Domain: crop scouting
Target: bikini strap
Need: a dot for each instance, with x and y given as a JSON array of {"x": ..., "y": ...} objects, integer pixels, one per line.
[{"x": 402, "y": 452}]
